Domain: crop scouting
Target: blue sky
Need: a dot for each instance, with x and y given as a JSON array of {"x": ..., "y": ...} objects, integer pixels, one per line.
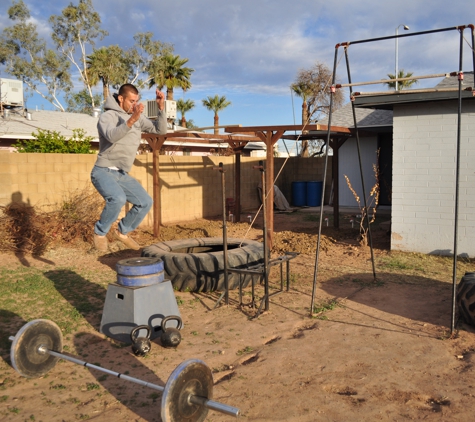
[{"x": 251, "y": 50}]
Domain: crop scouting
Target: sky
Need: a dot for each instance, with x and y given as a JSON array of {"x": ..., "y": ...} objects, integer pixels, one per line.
[{"x": 251, "y": 50}]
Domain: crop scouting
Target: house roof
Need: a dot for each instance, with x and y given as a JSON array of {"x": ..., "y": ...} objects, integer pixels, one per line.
[
  {"x": 447, "y": 89},
  {"x": 17, "y": 126},
  {"x": 365, "y": 118}
]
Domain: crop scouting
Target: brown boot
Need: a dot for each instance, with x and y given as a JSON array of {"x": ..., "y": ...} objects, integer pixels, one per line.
[
  {"x": 101, "y": 243},
  {"x": 126, "y": 240}
]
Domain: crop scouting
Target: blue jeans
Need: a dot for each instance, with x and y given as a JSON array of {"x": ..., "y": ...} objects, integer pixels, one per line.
[{"x": 117, "y": 187}]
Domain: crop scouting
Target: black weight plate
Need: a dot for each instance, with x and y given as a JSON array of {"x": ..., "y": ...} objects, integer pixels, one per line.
[
  {"x": 139, "y": 266},
  {"x": 191, "y": 377},
  {"x": 25, "y": 354}
]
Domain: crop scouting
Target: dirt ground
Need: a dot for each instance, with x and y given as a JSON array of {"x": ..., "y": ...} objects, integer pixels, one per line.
[{"x": 379, "y": 350}]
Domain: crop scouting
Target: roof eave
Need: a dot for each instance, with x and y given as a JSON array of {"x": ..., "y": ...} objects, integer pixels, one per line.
[{"x": 387, "y": 101}]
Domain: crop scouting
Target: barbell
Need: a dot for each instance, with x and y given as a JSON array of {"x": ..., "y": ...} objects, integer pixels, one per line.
[{"x": 186, "y": 397}]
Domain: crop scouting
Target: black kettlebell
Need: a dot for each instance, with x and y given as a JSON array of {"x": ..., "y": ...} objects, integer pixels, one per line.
[
  {"x": 171, "y": 337},
  {"x": 141, "y": 345}
]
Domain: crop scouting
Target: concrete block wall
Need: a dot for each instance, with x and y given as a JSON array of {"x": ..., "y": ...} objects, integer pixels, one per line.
[
  {"x": 42, "y": 179},
  {"x": 424, "y": 176},
  {"x": 190, "y": 186},
  {"x": 302, "y": 169}
]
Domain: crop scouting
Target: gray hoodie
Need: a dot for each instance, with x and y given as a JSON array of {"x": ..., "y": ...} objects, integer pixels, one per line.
[{"x": 118, "y": 143}]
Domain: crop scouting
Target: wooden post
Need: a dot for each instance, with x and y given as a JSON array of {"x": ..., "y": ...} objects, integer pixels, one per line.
[
  {"x": 269, "y": 193},
  {"x": 237, "y": 187},
  {"x": 156, "y": 142},
  {"x": 156, "y": 192}
]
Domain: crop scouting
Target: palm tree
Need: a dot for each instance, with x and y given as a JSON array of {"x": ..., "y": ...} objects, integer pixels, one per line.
[
  {"x": 183, "y": 107},
  {"x": 169, "y": 71},
  {"x": 401, "y": 84},
  {"x": 216, "y": 104},
  {"x": 106, "y": 64},
  {"x": 303, "y": 91}
]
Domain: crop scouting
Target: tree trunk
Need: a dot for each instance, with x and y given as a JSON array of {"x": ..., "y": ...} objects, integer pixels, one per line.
[
  {"x": 170, "y": 94},
  {"x": 216, "y": 124},
  {"x": 105, "y": 91},
  {"x": 304, "y": 144}
]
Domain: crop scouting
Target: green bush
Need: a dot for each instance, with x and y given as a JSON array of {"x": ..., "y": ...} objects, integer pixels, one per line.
[{"x": 53, "y": 142}]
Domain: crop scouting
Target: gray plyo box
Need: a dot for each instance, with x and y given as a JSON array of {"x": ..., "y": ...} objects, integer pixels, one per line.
[{"x": 127, "y": 307}]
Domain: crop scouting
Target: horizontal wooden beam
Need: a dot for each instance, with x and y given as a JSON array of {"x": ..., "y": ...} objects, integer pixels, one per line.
[{"x": 309, "y": 127}]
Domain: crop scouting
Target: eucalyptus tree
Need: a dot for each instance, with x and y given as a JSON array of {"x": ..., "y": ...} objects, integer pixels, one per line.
[
  {"x": 108, "y": 65},
  {"x": 25, "y": 56},
  {"x": 80, "y": 102},
  {"x": 144, "y": 57},
  {"x": 216, "y": 104},
  {"x": 169, "y": 71},
  {"x": 77, "y": 28},
  {"x": 401, "y": 84},
  {"x": 184, "y": 106}
]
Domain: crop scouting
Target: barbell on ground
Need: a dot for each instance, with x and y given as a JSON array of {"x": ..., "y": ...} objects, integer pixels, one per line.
[{"x": 186, "y": 397}]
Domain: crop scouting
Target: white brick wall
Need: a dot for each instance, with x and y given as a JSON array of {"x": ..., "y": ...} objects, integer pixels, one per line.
[{"x": 424, "y": 166}]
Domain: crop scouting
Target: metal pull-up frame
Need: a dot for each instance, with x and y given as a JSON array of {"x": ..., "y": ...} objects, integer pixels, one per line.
[{"x": 350, "y": 84}]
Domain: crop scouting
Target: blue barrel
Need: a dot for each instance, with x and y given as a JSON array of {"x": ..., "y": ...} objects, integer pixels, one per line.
[
  {"x": 299, "y": 194},
  {"x": 314, "y": 193}
]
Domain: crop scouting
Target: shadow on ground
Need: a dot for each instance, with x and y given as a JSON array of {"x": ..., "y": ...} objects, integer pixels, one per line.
[
  {"x": 143, "y": 401},
  {"x": 413, "y": 297}
]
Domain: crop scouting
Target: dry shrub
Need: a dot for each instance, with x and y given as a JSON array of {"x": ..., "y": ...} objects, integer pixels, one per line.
[
  {"x": 74, "y": 218},
  {"x": 26, "y": 229}
]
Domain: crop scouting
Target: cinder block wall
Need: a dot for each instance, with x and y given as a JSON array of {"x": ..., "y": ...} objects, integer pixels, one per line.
[
  {"x": 302, "y": 169},
  {"x": 190, "y": 186},
  {"x": 423, "y": 192}
]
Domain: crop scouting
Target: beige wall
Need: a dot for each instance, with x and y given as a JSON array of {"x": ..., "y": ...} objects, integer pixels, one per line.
[{"x": 190, "y": 187}]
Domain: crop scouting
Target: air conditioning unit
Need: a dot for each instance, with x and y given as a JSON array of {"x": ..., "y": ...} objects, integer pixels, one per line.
[
  {"x": 11, "y": 92},
  {"x": 151, "y": 109}
]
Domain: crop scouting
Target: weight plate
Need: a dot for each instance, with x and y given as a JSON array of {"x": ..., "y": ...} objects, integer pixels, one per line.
[
  {"x": 139, "y": 266},
  {"x": 140, "y": 280},
  {"x": 25, "y": 354},
  {"x": 191, "y": 377}
]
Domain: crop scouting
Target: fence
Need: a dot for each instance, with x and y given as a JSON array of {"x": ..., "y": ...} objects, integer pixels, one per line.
[{"x": 190, "y": 188}]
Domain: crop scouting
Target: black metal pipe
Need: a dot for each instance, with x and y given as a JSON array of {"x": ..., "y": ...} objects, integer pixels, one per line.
[
  {"x": 457, "y": 181},
  {"x": 390, "y": 37},
  {"x": 317, "y": 253},
  {"x": 225, "y": 294},
  {"x": 266, "y": 246}
]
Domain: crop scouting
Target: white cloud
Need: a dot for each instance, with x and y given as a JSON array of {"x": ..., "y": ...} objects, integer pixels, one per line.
[{"x": 258, "y": 46}]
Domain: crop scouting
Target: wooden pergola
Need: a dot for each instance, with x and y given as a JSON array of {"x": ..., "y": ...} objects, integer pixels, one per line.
[{"x": 237, "y": 137}]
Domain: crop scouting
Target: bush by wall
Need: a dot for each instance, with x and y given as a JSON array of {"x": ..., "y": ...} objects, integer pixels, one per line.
[{"x": 53, "y": 142}]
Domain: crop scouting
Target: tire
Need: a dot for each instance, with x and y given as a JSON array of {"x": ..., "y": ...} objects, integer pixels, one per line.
[
  {"x": 466, "y": 298},
  {"x": 197, "y": 265}
]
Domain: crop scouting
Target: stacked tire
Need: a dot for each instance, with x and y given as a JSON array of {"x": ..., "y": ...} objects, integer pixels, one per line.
[
  {"x": 197, "y": 265},
  {"x": 466, "y": 298}
]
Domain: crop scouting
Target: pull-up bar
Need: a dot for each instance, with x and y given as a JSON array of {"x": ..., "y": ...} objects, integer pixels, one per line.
[{"x": 411, "y": 34}]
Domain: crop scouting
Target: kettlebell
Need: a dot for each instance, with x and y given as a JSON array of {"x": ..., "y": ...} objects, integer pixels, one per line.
[
  {"x": 171, "y": 337},
  {"x": 141, "y": 345}
]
